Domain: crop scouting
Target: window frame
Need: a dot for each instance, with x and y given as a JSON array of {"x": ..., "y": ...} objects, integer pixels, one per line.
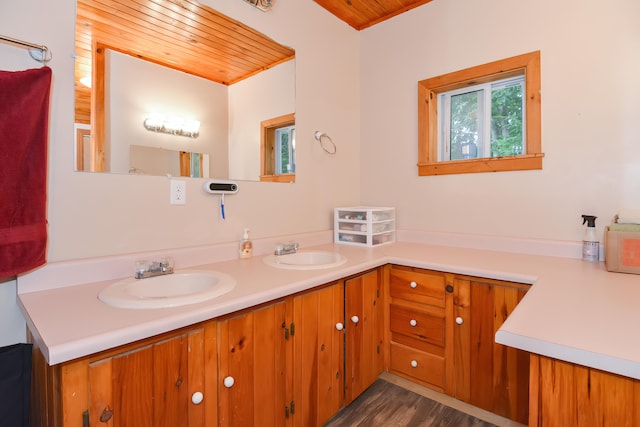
[
  {"x": 527, "y": 64},
  {"x": 268, "y": 147}
]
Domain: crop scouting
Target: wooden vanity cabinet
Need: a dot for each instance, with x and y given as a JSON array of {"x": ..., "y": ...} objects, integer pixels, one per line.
[
  {"x": 442, "y": 335},
  {"x": 364, "y": 329},
  {"x": 318, "y": 356},
  {"x": 337, "y": 346},
  {"x": 165, "y": 380},
  {"x": 254, "y": 366},
  {"x": 567, "y": 394},
  {"x": 287, "y": 360},
  {"x": 418, "y": 307},
  {"x": 488, "y": 375}
]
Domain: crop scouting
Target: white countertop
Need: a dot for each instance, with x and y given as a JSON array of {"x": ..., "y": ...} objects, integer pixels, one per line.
[{"x": 576, "y": 311}]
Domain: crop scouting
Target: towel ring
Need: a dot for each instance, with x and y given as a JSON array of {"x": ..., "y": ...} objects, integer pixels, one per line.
[{"x": 325, "y": 142}]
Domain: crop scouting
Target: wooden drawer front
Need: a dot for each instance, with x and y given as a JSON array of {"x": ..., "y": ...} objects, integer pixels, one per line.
[
  {"x": 416, "y": 324},
  {"x": 422, "y": 366},
  {"x": 418, "y": 287}
]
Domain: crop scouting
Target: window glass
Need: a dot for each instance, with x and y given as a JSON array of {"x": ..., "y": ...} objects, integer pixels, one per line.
[
  {"x": 507, "y": 118},
  {"x": 484, "y": 120},
  {"x": 285, "y": 149}
]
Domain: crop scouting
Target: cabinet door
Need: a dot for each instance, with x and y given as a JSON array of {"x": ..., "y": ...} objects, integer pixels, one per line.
[
  {"x": 488, "y": 375},
  {"x": 318, "y": 379},
  {"x": 566, "y": 394},
  {"x": 253, "y": 367},
  {"x": 364, "y": 324},
  {"x": 153, "y": 385}
]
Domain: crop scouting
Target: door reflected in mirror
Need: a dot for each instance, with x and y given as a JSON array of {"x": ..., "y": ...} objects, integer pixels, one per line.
[
  {"x": 160, "y": 161},
  {"x": 172, "y": 68}
]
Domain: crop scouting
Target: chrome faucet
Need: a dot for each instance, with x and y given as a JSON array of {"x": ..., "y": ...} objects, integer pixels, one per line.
[
  {"x": 146, "y": 269},
  {"x": 285, "y": 248}
]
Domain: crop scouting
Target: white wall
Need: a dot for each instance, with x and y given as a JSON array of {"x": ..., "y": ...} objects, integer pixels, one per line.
[{"x": 590, "y": 55}]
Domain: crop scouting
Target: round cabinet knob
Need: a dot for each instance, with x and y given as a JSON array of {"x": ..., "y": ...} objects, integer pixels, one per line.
[
  {"x": 414, "y": 363},
  {"x": 197, "y": 397},
  {"x": 413, "y": 285},
  {"x": 339, "y": 326},
  {"x": 355, "y": 319},
  {"x": 459, "y": 320},
  {"x": 229, "y": 382},
  {"x": 413, "y": 322}
]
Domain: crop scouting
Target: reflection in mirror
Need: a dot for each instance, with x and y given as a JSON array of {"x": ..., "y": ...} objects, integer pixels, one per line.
[
  {"x": 144, "y": 61},
  {"x": 160, "y": 161},
  {"x": 277, "y": 149}
]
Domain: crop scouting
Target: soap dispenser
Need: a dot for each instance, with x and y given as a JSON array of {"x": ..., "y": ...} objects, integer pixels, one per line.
[
  {"x": 590, "y": 244},
  {"x": 246, "y": 247}
]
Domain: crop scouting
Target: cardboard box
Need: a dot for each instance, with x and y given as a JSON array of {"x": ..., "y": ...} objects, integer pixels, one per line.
[{"x": 622, "y": 251}]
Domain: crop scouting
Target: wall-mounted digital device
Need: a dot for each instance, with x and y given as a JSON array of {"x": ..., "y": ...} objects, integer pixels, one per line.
[{"x": 217, "y": 186}]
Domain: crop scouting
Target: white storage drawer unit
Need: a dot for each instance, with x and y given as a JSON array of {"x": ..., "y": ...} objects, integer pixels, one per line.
[{"x": 365, "y": 226}]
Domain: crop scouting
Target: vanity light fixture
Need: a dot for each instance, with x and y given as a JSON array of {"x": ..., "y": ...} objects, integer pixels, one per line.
[
  {"x": 263, "y": 5},
  {"x": 172, "y": 125}
]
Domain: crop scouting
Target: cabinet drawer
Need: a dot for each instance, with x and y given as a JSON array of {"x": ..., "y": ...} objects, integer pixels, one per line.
[
  {"x": 420, "y": 287},
  {"x": 422, "y": 366},
  {"x": 416, "y": 324}
]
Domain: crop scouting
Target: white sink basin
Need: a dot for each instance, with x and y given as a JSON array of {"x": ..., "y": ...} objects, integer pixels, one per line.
[
  {"x": 306, "y": 260},
  {"x": 171, "y": 290}
]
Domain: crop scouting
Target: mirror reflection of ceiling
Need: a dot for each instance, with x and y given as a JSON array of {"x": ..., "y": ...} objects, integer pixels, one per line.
[{"x": 180, "y": 34}]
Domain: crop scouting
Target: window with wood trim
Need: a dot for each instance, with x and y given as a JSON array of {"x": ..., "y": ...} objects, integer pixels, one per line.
[
  {"x": 481, "y": 119},
  {"x": 277, "y": 149}
]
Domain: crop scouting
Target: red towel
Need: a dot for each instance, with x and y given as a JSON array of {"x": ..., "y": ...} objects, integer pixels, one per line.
[{"x": 24, "y": 122}]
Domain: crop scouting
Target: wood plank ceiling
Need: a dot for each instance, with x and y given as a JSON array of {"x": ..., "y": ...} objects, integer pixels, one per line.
[
  {"x": 180, "y": 34},
  {"x": 361, "y": 14}
]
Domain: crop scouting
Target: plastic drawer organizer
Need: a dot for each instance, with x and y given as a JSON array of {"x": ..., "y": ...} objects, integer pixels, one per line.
[{"x": 364, "y": 226}]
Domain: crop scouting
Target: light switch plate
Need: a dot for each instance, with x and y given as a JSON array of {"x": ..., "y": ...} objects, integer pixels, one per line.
[{"x": 178, "y": 192}]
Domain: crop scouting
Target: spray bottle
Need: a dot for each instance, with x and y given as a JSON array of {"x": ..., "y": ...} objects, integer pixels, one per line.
[{"x": 590, "y": 244}]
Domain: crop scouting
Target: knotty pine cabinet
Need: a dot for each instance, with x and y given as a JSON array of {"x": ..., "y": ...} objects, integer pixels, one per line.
[
  {"x": 364, "y": 329},
  {"x": 441, "y": 335},
  {"x": 254, "y": 366},
  {"x": 318, "y": 355},
  {"x": 565, "y": 394},
  {"x": 488, "y": 375},
  {"x": 338, "y": 346},
  {"x": 284, "y": 364},
  {"x": 166, "y": 380}
]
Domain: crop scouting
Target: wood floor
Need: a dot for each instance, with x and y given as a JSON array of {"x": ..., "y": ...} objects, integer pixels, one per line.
[{"x": 392, "y": 402}]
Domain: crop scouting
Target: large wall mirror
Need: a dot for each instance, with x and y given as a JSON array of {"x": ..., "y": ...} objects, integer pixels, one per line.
[{"x": 175, "y": 87}]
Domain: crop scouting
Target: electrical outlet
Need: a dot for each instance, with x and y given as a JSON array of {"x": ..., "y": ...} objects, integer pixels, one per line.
[{"x": 178, "y": 192}]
